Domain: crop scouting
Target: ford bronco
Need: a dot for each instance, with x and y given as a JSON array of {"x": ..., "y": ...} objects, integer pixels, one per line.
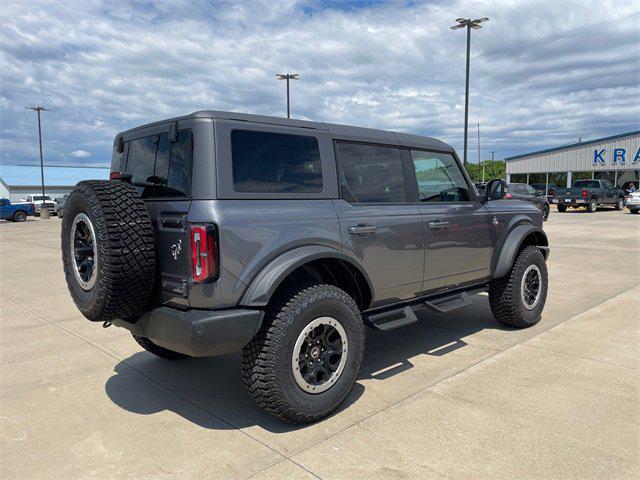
[{"x": 282, "y": 239}]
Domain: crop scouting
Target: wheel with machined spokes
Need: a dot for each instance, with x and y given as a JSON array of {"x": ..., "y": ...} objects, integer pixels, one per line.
[{"x": 305, "y": 359}]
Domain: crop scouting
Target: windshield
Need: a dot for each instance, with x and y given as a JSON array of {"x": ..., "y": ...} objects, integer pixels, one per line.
[{"x": 38, "y": 198}]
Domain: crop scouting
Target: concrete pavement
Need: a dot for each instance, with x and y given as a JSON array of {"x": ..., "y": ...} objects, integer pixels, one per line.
[{"x": 454, "y": 396}]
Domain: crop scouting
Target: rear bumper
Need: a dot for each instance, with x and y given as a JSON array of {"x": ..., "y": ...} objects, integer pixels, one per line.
[
  {"x": 198, "y": 333},
  {"x": 572, "y": 201}
]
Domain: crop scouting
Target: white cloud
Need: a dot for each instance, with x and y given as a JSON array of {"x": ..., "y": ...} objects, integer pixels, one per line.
[
  {"x": 80, "y": 154},
  {"x": 543, "y": 73}
]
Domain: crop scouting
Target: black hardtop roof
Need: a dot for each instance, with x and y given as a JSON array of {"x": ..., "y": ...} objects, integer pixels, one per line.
[{"x": 340, "y": 132}]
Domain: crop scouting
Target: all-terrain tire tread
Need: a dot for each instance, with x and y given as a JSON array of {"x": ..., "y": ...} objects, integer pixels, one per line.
[{"x": 259, "y": 360}]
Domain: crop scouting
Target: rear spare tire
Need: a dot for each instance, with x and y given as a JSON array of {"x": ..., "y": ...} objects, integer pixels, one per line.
[{"x": 108, "y": 250}]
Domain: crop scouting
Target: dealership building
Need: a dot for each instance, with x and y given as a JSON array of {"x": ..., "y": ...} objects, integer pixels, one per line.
[{"x": 615, "y": 158}]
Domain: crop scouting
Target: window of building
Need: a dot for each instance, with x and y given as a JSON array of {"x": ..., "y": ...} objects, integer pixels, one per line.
[
  {"x": 265, "y": 162},
  {"x": 557, "y": 179},
  {"x": 439, "y": 177},
  {"x": 627, "y": 177},
  {"x": 371, "y": 173},
  {"x": 519, "y": 178},
  {"x": 610, "y": 175},
  {"x": 581, "y": 176}
]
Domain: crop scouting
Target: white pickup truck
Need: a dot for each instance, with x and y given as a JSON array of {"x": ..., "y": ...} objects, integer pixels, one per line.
[
  {"x": 632, "y": 202},
  {"x": 39, "y": 201}
]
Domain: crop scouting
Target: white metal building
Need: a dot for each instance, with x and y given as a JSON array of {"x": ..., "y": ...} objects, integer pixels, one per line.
[
  {"x": 18, "y": 181},
  {"x": 615, "y": 158}
]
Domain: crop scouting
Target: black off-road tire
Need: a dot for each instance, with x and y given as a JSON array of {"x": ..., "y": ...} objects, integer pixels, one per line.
[
  {"x": 267, "y": 360},
  {"x": 634, "y": 211},
  {"x": 562, "y": 208},
  {"x": 505, "y": 297},
  {"x": 592, "y": 205},
  {"x": 619, "y": 204},
  {"x": 19, "y": 216},
  {"x": 159, "y": 351},
  {"x": 126, "y": 254}
]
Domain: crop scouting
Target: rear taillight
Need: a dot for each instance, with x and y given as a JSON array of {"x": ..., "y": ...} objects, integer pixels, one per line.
[
  {"x": 115, "y": 176},
  {"x": 585, "y": 193},
  {"x": 508, "y": 195},
  {"x": 204, "y": 253}
]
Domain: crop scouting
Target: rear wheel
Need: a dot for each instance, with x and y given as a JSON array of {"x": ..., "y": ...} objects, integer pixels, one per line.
[
  {"x": 20, "y": 216},
  {"x": 517, "y": 299},
  {"x": 592, "y": 206},
  {"x": 108, "y": 250},
  {"x": 620, "y": 204},
  {"x": 635, "y": 211},
  {"x": 305, "y": 359},
  {"x": 562, "y": 208},
  {"x": 157, "y": 350}
]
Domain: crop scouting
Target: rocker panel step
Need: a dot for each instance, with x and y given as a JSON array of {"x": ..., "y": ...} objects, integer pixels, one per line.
[
  {"x": 449, "y": 303},
  {"x": 392, "y": 319}
]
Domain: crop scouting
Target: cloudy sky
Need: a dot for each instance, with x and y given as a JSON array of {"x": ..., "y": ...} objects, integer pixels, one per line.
[{"x": 542, "y": 74}]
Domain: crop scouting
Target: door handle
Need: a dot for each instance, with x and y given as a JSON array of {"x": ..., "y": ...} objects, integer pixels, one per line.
[
  {"x": 363, "y": 229},
  {"x": 438, "y": 225}
]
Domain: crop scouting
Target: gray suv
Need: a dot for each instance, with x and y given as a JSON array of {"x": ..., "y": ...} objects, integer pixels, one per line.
[{"x": 224, "y": 232}]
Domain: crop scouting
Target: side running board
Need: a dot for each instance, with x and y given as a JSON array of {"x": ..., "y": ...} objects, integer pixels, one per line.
[
  {"x": 392, "y": 319},
  {"x": 449, "y": 302}
]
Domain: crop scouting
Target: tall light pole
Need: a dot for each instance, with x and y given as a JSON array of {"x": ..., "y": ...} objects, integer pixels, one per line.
[
  {"x": 475, "y": 24},
  {"x": 39, "y": 109},
  {"x": 287, "y": 77}
]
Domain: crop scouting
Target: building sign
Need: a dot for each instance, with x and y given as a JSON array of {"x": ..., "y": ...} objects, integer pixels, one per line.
[{"x": 619, "y": 156}]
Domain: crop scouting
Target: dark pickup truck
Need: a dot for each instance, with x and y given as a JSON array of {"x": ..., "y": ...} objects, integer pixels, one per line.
[{"x": 590, "y": 194}]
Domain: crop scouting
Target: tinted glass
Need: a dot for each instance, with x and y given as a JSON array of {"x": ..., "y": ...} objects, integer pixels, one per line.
[
  {"x": 165, "y": 166},
  {"x": 439, "y": 177},
  {"x": 371, "y": 174},
  {"x": 265, "y": 162},
  {"x": 142, "y": 157},
  {"x": 181, "y": 164},
  {"x": 530, "y": 190},
  {"x": 586, "y": 184}
]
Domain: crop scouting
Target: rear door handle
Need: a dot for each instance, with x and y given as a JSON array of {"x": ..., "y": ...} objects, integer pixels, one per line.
[
  {"x": 362, "y": 230},
  {"x": 438, "y": 225}
]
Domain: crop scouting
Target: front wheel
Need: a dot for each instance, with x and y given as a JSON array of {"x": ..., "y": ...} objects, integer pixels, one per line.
[
  {"x": 619, "y": 204},
  {"x": 305, "y": 359},
  {"x": 562, "y": 208},
  {"x": 517, "y": 299},
  {"x": 635, "y": 211}
]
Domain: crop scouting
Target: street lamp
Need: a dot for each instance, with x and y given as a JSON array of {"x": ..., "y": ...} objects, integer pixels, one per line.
[
  {"x": 39, "y": 109},
  {"x": 475, "y": 24},
  {"x": 287, "y": 77}
]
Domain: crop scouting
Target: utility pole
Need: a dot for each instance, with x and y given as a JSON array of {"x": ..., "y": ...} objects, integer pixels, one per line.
[
  {"x": 479, "y": 159},
  {"x": 475, "y": 24},
  {"x": 287, "y": 77},
  {"x": 39, "y": 109}
]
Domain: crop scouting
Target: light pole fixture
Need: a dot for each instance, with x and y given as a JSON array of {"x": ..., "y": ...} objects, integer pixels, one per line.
[
  {"x": 287, "y": 77},
  {"x": 475, "y": 24},
  {"x": 39, "y": 109}
]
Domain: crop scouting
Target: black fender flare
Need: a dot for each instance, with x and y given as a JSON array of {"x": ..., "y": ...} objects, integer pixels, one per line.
[
  {"x": 512, "y": 244},
  {"x": 271, "y": 276}
]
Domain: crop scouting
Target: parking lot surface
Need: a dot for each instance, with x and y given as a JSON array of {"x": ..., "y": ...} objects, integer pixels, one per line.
[{"x": 453, "y": 396}]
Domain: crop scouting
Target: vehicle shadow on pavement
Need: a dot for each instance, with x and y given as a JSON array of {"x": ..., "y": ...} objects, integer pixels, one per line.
[{"x": 210, "y": 393}]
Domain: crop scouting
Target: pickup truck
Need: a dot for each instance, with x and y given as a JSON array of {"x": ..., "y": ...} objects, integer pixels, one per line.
[
  {"x": 590, "y": 194},
  {"x": 15, "y": 212},
  {"x": 39, "y": 201}
]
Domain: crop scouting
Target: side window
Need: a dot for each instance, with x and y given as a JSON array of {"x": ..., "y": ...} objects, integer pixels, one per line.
[
  {"x": 371, "y": 173},
  {"x": 439, "y": 177},
  {"x": 530, "y": 190},
  {"x": 4, "y": 202},
  {"x": 267, "y": 162}
]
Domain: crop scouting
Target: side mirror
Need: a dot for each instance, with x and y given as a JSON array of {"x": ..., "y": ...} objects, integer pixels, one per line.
[{"x": 495, "y": 190}]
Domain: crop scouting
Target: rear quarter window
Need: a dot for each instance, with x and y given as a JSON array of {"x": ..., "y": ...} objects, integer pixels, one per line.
[{"x": 267, "y": 162}]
